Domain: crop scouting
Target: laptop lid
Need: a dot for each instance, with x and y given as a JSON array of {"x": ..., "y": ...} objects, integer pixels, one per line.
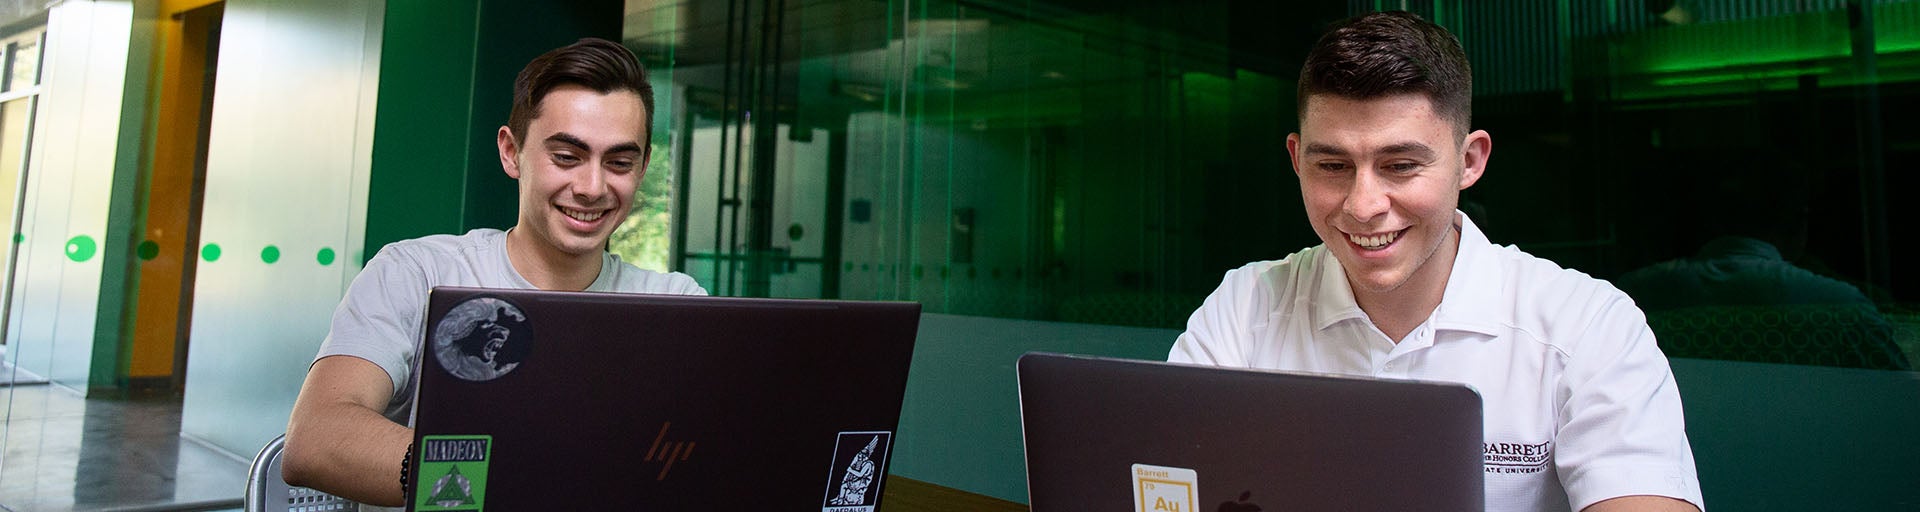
[
  {"x": 1110, "y": 434},
  {"x": 537, "y": 400}
]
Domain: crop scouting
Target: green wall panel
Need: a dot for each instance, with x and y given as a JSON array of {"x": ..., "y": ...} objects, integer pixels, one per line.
[
  {"x": 446, "y": 84},
  {"x": 512, "y": 33},
  {"x": 420, "y": 138}
]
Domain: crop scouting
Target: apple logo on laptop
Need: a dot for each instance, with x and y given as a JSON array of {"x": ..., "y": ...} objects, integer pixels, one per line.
[{"x": 1240, "y": 506}]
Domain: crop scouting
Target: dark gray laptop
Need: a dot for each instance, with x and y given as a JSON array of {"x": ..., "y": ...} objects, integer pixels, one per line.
[
  {"x": 1109, "y": 434},
  {"x": 533, "y": 400}
]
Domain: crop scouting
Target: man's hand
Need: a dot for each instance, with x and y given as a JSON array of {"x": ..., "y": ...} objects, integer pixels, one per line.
[{"x": 338, "y": 441}]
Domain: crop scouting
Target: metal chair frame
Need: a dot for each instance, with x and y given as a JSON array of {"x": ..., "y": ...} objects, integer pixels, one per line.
[{"x": 267, "y": 491}]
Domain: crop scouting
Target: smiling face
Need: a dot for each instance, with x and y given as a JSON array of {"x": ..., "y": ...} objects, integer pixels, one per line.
[
  {"x": 583, "y": 156},
  {"x": 1380, "y": 179}
]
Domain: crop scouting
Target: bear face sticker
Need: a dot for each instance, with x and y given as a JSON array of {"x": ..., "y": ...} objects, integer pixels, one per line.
[{"x": 483, "y": 338}]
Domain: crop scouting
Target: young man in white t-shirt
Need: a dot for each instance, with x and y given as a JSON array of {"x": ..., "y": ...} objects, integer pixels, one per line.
[
  {"x": 577, "y": 143},
  {"x": 1581, "y": 408}
]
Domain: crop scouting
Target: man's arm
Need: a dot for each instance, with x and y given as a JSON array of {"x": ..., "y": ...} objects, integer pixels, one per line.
[
  {"x": 338, "y": 441},
  {"x": 1622, "y": 431},
  {"x": 1642, "y": 504}
]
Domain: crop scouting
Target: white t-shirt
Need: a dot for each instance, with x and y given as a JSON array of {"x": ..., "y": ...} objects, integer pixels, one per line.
[
  {"x": 381, "y": 319},
  {"x": 1580, "y": 404}
]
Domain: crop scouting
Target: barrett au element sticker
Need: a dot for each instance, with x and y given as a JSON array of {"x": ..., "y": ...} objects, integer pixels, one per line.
[
  {"x": 853, "y": 484},
  {"x": 453, "y": 473},
  {"x": 482, "y": 339},
  {"x": 1161, "y": 488}
]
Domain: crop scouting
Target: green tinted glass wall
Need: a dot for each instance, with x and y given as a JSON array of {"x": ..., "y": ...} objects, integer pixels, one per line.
[
  {"x": 1013, "y": 161},
  {"x": 1078, "y": 161},
  {"x": 1106, "y": 162}
]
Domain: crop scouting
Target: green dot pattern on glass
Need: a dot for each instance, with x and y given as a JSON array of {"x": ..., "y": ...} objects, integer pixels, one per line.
[
  {"x": 81, "y": 248},
  {"x": 19, "y": 237},
  {"x": 325, "y": 257},
  {"x": 147, "y": 250},
  {"x": 270, "y": 254},
  {"x": 210, "y": 253}
]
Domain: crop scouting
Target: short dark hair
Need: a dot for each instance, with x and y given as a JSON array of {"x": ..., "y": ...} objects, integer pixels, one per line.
[
  {"x": 598, "y": 64},
  {"x": 1388, "y": 53}
]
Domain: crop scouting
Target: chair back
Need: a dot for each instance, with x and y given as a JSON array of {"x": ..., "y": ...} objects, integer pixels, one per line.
[
  {"x": 268, "y": 492},
  {"x": 1842, "y": 335}
]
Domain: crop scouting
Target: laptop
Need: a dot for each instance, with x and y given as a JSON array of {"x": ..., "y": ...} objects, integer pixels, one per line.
[
  {"x": 538, "y": 400},
  {"x": 1110, "y": 434}
]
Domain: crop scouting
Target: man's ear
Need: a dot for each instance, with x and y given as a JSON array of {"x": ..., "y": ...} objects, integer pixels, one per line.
[
  {"x": 1479, "y": 148},
  {"x": 646, "y": 159},
  {"x": 509, "y": 152},
  {"x": 1293, "y": 152}
]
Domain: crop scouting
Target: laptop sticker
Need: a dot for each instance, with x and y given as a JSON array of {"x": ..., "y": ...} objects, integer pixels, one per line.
[
  {"x": 853, "y": 484},
  {"x": 1161, "y": 488},
  {"x": 452, "y": 473},
  {"x": 482, "y": 339}
]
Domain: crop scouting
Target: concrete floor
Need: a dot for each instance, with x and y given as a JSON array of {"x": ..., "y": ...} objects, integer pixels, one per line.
[{"x": 65, "y": 453}]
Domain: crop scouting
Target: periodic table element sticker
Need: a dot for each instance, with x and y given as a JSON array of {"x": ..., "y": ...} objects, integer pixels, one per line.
[
  {"x": 452, "y": 473},
  {"x": 1165, "y": 489}
]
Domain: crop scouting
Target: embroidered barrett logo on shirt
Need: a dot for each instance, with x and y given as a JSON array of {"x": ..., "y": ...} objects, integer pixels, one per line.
[
  {"x": 482, "y": 339},
  {"x": 1518, "y": 458}
]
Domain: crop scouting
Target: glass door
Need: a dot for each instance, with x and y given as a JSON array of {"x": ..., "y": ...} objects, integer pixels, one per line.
[
  {"x": 19, "y": 97},
  {"x": 755, "y": 175}
]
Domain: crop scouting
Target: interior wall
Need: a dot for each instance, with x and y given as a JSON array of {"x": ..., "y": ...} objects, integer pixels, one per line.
[
  {"x": 70, "y": 179},
  {"x": 288, "y": 160},
  {"x": 960, "y": 422}
]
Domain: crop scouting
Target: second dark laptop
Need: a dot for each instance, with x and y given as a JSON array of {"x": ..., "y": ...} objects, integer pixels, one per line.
[
  {"x": 533, "y": 400},
  {"x": 1109, "y": 434}
]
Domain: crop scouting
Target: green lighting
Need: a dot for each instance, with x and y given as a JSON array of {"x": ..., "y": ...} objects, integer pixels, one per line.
[
  {"x": 1732, "y": 77},
  {"x": 1805, "y": 37}
]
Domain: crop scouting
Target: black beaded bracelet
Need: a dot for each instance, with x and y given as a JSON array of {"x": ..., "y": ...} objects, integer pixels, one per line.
[{"x": 405, "y": 464}]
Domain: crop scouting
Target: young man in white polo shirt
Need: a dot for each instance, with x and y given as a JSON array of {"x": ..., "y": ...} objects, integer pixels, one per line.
[
  {"x": 1581, "y": 409},
  {"x": 576, "y": 141}
]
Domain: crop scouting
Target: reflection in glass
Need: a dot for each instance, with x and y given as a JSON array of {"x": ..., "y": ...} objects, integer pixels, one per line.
[
  {"x": 23, "y": 62},
  {"x": 1107, "y": 162}
]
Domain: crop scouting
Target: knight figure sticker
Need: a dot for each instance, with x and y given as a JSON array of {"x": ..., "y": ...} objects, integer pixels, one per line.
[{"x": 853, "y": 481}]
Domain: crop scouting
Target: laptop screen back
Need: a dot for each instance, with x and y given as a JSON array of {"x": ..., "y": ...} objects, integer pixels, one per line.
[
  {"x": 1107, "y": 434},
  {"x": 533, "y": 400}
]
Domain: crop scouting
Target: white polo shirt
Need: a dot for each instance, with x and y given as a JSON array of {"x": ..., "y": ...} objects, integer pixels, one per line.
[{"x": 1580, "y": 404}]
